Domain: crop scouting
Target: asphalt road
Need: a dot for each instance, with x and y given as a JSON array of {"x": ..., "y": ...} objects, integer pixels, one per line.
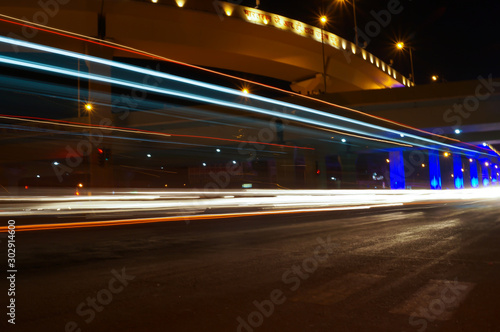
[{"x": 411, "y": 268}]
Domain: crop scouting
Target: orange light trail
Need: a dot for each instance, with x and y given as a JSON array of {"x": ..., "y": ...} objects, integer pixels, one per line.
[
  {"x": 136, "y": 131},
  {"x": 122, "y": 222}
]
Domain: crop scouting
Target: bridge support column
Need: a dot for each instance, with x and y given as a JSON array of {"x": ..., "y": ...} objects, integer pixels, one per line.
[
  {"x": 485, "y": 172},
  {"x": 348, "y": 164},
  {"x": 474, "y": 179},
  {"x": 494, "y": 173},
  {"x": 434, "y": 170},
  {"x": 397, "y": 170},
  {"x": 458, "y": 171}
]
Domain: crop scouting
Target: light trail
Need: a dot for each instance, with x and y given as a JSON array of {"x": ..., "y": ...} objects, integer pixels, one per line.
[
  {"x": 219, "y": 102},
  {"x": 73, "y": 73},
  {"x": 213, "y": 87},
  {"x": 135, "y": 131},
  {"x": 69, "y": 34},
  {"x": 123, "y": 222},
  {"x": 187, "y": 205}
]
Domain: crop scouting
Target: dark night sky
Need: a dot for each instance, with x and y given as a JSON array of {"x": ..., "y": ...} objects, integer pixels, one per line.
[{"x": 455, "y": 39}]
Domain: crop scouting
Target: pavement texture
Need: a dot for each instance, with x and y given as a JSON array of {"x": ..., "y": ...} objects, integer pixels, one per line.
[{"x": 433, "y": 267}]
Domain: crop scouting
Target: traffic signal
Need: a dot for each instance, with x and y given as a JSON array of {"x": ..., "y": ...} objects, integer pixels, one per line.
[
  {"x": 101, "y": 159},
  {"x": 103, "y": 156}
]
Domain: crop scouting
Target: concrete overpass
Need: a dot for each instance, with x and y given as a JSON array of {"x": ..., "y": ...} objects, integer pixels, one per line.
[
  {"x": 212, "y": 34},
  {"x": 302, "y": 155}
]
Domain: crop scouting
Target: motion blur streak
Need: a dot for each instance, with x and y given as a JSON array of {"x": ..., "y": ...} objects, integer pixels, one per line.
[
  {"x": 183, "y": 218},
  {"x": 69, "y": 34},
  {"x": 135, "y": 131},
  {"x": 190, "y": 96},
  {"x": 203, "y": 85},
  {"x": 200, "y": 205}
]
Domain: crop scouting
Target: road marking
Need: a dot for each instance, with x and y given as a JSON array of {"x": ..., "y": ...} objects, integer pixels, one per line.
[
  {"x": 338, "y": 289},
  {"x": 437, "y": 300}
]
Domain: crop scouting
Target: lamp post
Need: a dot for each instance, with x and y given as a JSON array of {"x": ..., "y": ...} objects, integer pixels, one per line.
[
  {"x": 401, "y": 46},
  {"x": 355, "y": 23},
  {"x": 323, "y": 19}
]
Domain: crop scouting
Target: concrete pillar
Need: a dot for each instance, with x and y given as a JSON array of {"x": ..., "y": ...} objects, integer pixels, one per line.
[
  {"x": 485, "y": 172},
  {"x": 397, "y": 170},
  {"x": 434, "y": 170},
  {"x": 458, "y": 171},
  {"x": 348, "y": 164},
  {"x": 494, "y": 173},
  {"x": 474, "y": 179}
]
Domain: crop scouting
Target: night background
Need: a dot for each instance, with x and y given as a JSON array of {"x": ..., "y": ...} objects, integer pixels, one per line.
[{"x": 456, "y": 40}]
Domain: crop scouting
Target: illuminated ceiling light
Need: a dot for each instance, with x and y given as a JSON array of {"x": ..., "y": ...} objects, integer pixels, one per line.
[
  {"x": 471, "y": 160},
  {"x": 89, "y": 107},
  {"x": 484, "y": 144},
  {"x": 423, "y": 165},
  {"x": 343, "y": 140},
  {"x": 446, "y": 154},
  {"x": 387, "y": 161},
  {"x": 457, "y": 131},
  {"x": 217, "y": 150},
  {"x": 228, "y": 9},
  {"x": 402, "y": 135},
  {"x": 486, "y": 164},
  {"x": 38, "y": 175},
  {"x": 204, "y": 164},
  {"x": 55, "y": 163},
  {"x": 154, "y": 1},
  {"x": 234, "y": 162},
  {"x": 148, "y": 155},
  {"x": 180, "y": 3},
  {"x": 462, "y": 170}
]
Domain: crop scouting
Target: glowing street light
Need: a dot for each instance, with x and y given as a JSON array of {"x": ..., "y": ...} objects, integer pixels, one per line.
[
  {"x": 245, "y": 91},
  {"x": 434, "y": 78},
  {"x": 401, "y": 46},
  {"x": 88, "y": 107},
  {"x": 323, "y": 19}
]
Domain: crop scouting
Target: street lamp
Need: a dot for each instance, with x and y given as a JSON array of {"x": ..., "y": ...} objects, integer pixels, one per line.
[
  {"x": 323, "y": 20},
  {"x": 401, "y": 46}
]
